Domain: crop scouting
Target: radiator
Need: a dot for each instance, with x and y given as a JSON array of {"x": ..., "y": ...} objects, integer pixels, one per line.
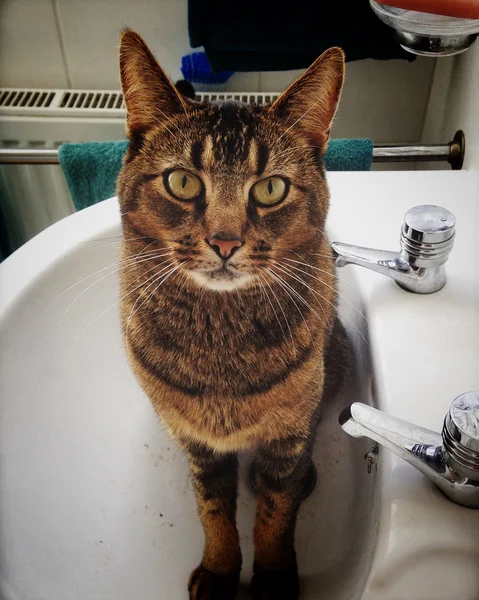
[{"x": 32, "y": 197}]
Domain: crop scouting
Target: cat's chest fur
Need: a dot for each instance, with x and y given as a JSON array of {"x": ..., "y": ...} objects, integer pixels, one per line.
[
  {"x": 222, "y": 365},
  {"x": 214, "y": 342}
]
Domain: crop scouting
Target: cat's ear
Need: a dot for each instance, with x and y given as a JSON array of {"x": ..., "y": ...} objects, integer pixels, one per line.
[
  {"x": 311, "y": 101},
  {"x": 149, "y": 95}
]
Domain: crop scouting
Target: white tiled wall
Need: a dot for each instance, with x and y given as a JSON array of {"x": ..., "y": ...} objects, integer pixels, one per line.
[{"x": 73, "y": 43}]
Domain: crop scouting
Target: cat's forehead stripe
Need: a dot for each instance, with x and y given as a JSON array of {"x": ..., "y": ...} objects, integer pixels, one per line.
[
  {"x": 196, "y": 154},
  {"x": 262, "y": 155}
]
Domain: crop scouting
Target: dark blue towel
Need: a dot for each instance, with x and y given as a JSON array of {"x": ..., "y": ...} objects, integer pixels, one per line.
[{"x": 266, "y": 35}]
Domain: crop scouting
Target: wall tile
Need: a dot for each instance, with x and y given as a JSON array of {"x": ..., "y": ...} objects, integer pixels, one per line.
[
  {"x": 30, "y": 52},
  {"x": 91, "y": 31}
]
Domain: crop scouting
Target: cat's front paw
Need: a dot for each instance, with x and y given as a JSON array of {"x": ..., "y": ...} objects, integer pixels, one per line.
[
  {"x": 205, "y": 585},
  {"x": 274, "y": 585}
]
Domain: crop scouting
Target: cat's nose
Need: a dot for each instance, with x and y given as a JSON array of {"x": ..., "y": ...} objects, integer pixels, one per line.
[{"x": 224, "y": 244}]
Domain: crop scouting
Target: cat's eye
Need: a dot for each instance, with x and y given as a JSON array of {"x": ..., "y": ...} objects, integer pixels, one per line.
[
  {"x": 183, "y": 185},
  {"x": 270, "y": 191}
]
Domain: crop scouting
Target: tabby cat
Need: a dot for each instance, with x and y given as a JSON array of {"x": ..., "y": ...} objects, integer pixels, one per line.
[{"x": 221, "y": 204}]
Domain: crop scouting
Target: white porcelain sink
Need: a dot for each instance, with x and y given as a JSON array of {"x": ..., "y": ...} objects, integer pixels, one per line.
[{"x": 95, "y": 500}]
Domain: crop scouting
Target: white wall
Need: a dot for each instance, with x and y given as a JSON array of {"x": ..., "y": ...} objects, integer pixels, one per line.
[
  {"x": 73, "y": 43},
  {"x": 462, "y": 107}
]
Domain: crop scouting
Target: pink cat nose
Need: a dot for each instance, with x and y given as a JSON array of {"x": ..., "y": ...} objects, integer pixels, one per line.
[{"x": 224, "y": 244}]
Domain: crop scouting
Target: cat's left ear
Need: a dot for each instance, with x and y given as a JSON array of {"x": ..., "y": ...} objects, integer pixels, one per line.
[
  {"x": 311, "y": 101},
  {"x": 150, "y": 97}
]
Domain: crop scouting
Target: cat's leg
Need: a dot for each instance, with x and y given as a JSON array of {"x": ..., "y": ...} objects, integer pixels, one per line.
[
  {"x": 214, "y": 478},
  {"x": 281, "y": 471}
]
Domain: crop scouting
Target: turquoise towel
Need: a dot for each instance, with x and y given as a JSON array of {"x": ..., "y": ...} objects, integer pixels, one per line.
[
  {"x": 349, "y": 155},
  {"x": 91, "y": 169}
]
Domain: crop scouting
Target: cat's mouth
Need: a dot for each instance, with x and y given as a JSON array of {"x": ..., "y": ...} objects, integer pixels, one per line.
[{"x": 224, "y": 278}]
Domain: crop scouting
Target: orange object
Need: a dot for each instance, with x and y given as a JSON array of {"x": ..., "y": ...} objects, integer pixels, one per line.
[{"x": 465, "y": 9}]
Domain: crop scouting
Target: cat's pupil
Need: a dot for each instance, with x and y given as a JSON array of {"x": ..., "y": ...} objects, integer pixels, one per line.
[
  {"x": 184, "y": 181},
  {"x": 270, "y": 187}
]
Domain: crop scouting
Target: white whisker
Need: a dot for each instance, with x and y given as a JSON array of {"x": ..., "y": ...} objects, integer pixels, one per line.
[
  {"x": 284, "y": 315},
  {"x": 291, "y": 274},
  {"x": 331, "y": 287},
  {"x": 298, "y": 120},
  {"x": 108, "y": 275},
  {"x": 272, "y": 307},
  {"x": 141, "y": 254},
  {"x": 281, "y": 282},
  {"x": 113, "y": 305},
  {"x": 306, "y": 303},
  {"x": 162, "y": 277}
]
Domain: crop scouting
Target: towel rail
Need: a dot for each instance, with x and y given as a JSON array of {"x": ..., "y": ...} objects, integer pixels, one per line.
[{"x": 453, "y": 153}]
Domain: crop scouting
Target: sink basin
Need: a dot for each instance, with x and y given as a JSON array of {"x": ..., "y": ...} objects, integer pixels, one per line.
[{"x": 95, "y": 500}]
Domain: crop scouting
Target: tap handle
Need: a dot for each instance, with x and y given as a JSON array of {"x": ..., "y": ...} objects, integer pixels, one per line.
[
  {"x": 429, "y": 224},
  {"x": 460, "y": 435},
  {"x": 427, "y": 236}
]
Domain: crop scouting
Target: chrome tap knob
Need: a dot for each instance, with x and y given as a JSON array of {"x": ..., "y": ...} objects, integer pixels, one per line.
[
  {"x": 460, "y": 436},
  {"x": 427, "y": 238}
]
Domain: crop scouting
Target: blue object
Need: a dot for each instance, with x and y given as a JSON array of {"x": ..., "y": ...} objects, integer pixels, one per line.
[
  {"x": 196, "y": 69},
  {"x": 91, "y": 169}
]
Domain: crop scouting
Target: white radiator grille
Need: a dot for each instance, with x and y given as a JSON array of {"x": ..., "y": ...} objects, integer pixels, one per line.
[
  {"x": 26, "y": 98},
  {"x": 91, "y": 103}
]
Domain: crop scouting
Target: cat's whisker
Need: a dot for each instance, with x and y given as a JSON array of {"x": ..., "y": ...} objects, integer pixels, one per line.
[
  {"x": 283, "y": 269},
  {"x": 324, "y": 320},
  {"x": 271, "y": 304},
  {"x": 151, "y": 254},
  {"x": 172, "y": 122},
  {"x": 284, "y": 315},
  {"x": 118, "y": 238},
  {"x": 305, "y": 264},
  {"x": 291, "y": 274},
  {"x": 299, "y": 119},
  {"x": 332, "y": 288},
  {"x": 113, "y": 305},
  {"x": 281, "y": 283},
  {"x": 158, "y": 121},
  {"x": 185, "y": 281},
  {"x": 162, "y": 277},
  {"x": 158, "y": 274},
  {"x": 96, "y": 282}
]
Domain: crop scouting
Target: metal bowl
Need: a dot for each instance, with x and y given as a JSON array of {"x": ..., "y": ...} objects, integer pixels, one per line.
[{"x": 428, "y": 34}]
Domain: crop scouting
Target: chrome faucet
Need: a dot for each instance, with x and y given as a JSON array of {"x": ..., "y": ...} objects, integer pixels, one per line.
[
  {"x": 427, "y": 238},
  {"x": 450, "y": 460}
]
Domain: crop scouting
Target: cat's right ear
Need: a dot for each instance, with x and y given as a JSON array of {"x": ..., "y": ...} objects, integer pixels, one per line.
[{"x": 150, "y": 97}]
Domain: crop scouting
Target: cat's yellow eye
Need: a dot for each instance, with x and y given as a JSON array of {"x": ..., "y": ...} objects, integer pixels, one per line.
[
  {"x": 269, "y": 191},
  {"x": 183, "y": 185}
]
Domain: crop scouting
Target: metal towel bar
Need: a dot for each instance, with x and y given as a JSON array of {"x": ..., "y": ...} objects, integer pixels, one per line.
[{"x": 453, "y": 153}]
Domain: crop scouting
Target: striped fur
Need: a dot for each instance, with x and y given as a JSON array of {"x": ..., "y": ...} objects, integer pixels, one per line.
[{"x": 238, "y": 358}]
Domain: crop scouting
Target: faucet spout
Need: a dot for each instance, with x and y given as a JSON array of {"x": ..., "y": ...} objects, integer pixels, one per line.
[{"x": 423, "y": 449}]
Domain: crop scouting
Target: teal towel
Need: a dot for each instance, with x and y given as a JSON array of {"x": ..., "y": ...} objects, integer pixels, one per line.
[
  {"x": 91, "y": 169},
  {"x": 349, "y": 155}
]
